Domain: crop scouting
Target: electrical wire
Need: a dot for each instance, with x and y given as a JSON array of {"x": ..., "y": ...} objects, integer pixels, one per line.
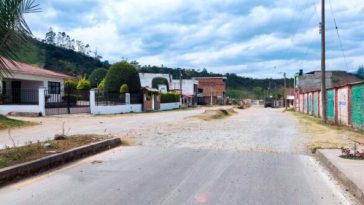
[{"x": 339, "y": 37}]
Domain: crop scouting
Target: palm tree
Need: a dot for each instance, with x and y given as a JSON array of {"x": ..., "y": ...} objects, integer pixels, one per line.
[{"x": 14, "y": 30}]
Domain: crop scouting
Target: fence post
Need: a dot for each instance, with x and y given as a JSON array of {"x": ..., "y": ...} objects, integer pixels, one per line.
[
  {"x": 336, "y": 106},
  {"x": 92, "y": 101},
  {"x": 41, "y": 100},
  {"x": 127, "y": 98}
]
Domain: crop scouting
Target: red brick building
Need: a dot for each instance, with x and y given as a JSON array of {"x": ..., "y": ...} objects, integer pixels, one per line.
[{"x": 211, "y": 90}]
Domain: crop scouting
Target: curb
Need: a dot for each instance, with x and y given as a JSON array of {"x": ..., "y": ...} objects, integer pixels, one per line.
[
  {"x": 30, "y": 168},
  {"x": 352, "y": 187}
]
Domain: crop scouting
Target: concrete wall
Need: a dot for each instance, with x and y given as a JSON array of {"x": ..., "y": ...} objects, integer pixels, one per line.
[
  {"x": 357, "y": 106},
  {"x": 40, "y": 108},
  {"x": 310, "y": 104},
  {"x": 170, "y": 106},
  {"x": 343, "y": 108},
  {"x": 316, "y": 104},
  {"x": 345, "y": 105},
  {"x": 331, "y": 105},
  {"x": 112, "y": 109}
]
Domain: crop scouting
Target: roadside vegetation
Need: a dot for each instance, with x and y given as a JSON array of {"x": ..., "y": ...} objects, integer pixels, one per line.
[
  {"x": 16, "y": 155},
  {"x": 328, "y": 136},
  {"x": 7, "y": 123},
  {"x": 215, "y": 114}
]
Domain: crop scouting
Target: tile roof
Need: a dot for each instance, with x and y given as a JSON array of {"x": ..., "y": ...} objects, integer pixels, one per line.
[{"x": 23, "y": 68}]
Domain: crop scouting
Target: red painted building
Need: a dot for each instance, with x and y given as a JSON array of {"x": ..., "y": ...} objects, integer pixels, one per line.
[{"x": 211, "y": 90}]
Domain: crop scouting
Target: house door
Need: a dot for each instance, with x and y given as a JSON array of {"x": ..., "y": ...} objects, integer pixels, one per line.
[{"x": 15, "y": 91}]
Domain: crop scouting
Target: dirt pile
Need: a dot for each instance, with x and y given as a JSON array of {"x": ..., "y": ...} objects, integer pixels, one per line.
[{"x": 215, "y": 114}]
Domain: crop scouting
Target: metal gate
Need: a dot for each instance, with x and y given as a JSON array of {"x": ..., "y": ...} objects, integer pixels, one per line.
[{"x": 67, "y": 101}]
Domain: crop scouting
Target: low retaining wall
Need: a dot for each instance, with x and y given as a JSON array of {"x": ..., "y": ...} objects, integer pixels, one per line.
[
  {"x": 170, "y": 106},
  {"x": 33, "y": 167}
]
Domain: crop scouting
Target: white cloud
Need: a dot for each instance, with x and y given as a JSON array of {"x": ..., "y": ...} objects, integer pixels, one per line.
[{"x": 223, "y": 36}]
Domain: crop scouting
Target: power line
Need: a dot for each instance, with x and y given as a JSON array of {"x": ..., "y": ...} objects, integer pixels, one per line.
[{"x": 339, "y": 37}]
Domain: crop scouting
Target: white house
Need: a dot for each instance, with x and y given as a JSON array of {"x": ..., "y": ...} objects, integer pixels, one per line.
[
  {"x": 146, "y": 79},
  {"x": 189, "y": 90},
  {"x": 23, "y": 89}
]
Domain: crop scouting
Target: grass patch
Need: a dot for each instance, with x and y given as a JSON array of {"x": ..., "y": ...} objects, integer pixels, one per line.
[
  {"x": 215, "y": 114},
  {"x": 327, "y": 136},
  {"x": 7, "y": 123},
  {"x": 16, "y": 155}
]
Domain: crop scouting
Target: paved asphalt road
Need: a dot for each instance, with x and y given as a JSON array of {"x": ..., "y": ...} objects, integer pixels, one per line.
[{"x": 174, "y": 174}]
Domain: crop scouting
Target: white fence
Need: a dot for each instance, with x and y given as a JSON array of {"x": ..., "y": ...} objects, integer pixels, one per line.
[{"x": 112, "y": 109}]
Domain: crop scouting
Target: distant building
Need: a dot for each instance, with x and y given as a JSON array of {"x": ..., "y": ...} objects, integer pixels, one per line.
[
  {"x": 189, "y": 90},
  {"x": 312, "y": 81},
  {"x": 211, "y": 90}
]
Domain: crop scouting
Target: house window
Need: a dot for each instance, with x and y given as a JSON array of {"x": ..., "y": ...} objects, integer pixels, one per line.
[{"x": 54, "y": 87}]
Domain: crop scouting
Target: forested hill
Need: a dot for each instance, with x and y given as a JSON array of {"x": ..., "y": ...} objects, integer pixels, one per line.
[
  {"x": 58, "y": 59},
  {"x": 75, "y": 63}
]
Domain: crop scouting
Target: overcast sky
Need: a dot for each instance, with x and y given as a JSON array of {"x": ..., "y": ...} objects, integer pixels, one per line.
[{"x": 247, "y": 37}]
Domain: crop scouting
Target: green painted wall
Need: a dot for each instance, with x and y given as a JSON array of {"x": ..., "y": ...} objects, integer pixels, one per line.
[
  {"x": 357, "y": 109},
  {"x": 310, "y": 103},
  {"x": 315, "y": 105},
  {"x": 331, "y": 105}
]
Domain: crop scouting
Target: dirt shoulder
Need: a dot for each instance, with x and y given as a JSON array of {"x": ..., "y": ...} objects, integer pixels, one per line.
[{"x": 326, "y": 136}]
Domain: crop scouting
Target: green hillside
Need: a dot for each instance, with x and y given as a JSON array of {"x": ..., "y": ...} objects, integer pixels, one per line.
[{"x": 58, "y": 59}]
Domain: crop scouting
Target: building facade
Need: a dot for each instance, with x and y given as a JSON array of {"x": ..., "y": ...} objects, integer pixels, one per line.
[{"x": 211, "y": 90}]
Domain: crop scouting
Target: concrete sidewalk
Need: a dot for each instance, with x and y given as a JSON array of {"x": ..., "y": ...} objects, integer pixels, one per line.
[{"x": 350, "y": 172}]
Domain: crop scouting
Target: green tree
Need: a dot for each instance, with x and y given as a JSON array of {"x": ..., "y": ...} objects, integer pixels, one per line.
[
  {"x": 258, "y": 92},
  {"x": 159, "y": 81},
  {"x": 14, "y": 31},
  {"x": 83, "y": 84},
  {"x": 360, "y": 71},
  {"x": 124, "y": 89},
  {"x": 70, "y": 84},
  {"x": 97, "y": 76},
  {"x": 122, "y": 73}
]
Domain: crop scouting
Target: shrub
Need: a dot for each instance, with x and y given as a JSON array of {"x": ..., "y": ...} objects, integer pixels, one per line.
[
  {"x": 70, "y": 84},
  {"x": 170, "y": 97},
  {"x": 97, "y": 76},
  {"x": 101, "y": 85},
  {"x": 83, "y": 84},
  {"x": 122, "y": 73},
  {"x": 124, "y": 89},
  {"x": 159, "y": 81}
]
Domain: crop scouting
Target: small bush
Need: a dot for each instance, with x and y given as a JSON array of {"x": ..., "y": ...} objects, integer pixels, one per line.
[
  {"x": 101, "y": 85},
  {"x": 70, "y": 84},
  {"x": 124, "y": 89},
  {"x": 170, "y": 97},
  {"x": 83, "y": 84}
]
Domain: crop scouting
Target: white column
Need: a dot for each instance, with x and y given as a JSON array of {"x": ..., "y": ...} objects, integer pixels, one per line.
[
  {"x": 127, "y": 98},
  {"x": 93, "y": 101},
  {"x": 41, "y": 100}
]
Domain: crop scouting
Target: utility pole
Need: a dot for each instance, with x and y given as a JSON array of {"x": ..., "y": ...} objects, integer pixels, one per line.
[
  {"x": 323, "y": 64},
  {"x": 180, "y": 86},
  {"x": 285, "y": 91}
]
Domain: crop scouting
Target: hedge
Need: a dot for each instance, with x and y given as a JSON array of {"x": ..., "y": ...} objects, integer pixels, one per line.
[{"x": 170, "y": 97}]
